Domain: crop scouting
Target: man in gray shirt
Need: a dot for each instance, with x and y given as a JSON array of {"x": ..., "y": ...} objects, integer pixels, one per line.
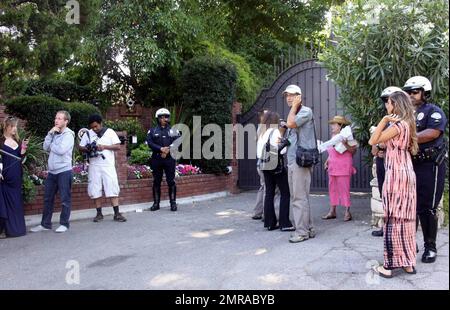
[
  {"x": 301, "y": 132},
  {"x": 59, "y": 143}
]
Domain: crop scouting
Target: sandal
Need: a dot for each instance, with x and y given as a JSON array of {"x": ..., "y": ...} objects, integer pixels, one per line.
[
  {"x": 348, "y": 217},
  {"x": 414, "y": 271},
  {"x": 329, "y": 216},
  {"x": 394, "y": 272},
  {"x": 376, "y": 269}
]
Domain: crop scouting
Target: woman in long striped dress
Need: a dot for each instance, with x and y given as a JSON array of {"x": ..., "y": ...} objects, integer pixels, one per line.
[{"x": 399, "y": 188}]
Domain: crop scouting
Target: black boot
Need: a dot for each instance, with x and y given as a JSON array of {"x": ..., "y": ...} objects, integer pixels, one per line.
[
  {"x": 156, "y": 198},
  {"x": 378, "y": 233},
  {"x": 173, "y": 197},
  {"x": 429, "y": 221}
]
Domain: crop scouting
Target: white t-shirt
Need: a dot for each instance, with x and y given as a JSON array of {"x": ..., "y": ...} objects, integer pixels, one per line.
[
  {"x": 109, "y": 138},
  {"x": 273, "y": 141}
]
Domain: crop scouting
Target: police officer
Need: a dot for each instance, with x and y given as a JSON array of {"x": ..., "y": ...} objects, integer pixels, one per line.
[
  {"x": 160, "y": 140},
  {"x": 379, "y": 151},
  {"x": 429, "y": 163}
]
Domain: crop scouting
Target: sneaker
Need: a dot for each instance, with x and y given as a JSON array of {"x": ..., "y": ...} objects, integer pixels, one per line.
[
  {"x": 38, "y": 228},
  {"x": 98, "y": 218},
  {"x": 2, "y": 235},
  {"x": 298, "y": 238},
  {"x": 61, "y": 229},
  {"x": 312, "y": 233},
  {"x": 119, "y": 218},
  {"x": 290, "y": 228}
]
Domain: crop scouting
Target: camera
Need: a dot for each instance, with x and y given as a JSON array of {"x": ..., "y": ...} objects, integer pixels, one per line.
[
  {"x": 92, "y": 151},
  {"x": 283, "y": 143}
]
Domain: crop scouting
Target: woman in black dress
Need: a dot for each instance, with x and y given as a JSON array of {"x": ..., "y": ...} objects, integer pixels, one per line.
[{"x": 12, "y": 218}]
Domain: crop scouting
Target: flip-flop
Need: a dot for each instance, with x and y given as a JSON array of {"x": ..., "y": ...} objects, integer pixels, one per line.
[
  {"x": 386, "y": 276},
  {"x": 414, "y": 271},
  {"x": 328, "y": 217}
]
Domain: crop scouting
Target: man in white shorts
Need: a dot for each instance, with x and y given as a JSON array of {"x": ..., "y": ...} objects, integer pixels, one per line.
[{"x": 102, "y": 170}]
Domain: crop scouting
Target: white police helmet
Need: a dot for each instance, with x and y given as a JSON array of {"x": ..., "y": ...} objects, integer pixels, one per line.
[
  {"x": 417, "y": 82},
  {"x": 161, "y": 112},
  {"x": 389, "y": 91}
]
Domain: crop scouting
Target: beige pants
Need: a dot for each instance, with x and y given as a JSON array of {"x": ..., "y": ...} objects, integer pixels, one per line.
[{"x": 299, "y": 186}]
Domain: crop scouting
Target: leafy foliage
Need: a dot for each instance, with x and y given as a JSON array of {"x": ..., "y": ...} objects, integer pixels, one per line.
[
  {"x": 39, "y": 112},
  {"x": 35, "y": 37},
  {"x": 210, "y": 98},
  {"x": 59, "y": 89},
  {"x": 381, "y": 44},
  {"x": 132, "y": 126},
  {"x": 140, "y": 155}
]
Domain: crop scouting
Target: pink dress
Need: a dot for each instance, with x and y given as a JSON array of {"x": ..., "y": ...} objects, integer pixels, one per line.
[
  {"x": 399, "y": 202},
  {"x": 340, "y": 170}
]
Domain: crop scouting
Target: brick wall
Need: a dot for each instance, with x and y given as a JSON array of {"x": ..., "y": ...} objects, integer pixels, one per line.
[
  {"x": 137, "y": 191},
  {"x": 143, "y": 114},
  {"x": 140, "y": 191}
]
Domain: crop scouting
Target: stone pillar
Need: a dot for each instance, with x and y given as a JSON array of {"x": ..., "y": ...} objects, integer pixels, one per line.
[{"x": 375, "y": 202}]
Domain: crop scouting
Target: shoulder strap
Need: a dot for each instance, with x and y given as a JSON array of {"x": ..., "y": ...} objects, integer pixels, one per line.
[{"x": 314, "y": 128}]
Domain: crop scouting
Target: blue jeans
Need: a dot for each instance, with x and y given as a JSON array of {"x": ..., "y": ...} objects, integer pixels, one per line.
[{"x": 62, "y": 183}]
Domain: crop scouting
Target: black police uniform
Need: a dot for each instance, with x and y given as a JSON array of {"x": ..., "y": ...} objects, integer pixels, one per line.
[
  {"x": 429, "y": 167},
  {"x": 157, "y": 138}
]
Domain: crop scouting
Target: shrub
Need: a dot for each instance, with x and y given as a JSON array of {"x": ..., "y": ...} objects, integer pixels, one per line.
[
  {"x": 132, "y": 126},
  {"x": 383, "y": 43},
  {"x": 141, "y": 155},
  {"x": 247, "y": 83},
  {"x": 28, "y": 187},
  {"x": 59, "y": 89},
  {"x": 39, "y": 112},
  {"x": 209, "y": 89}
]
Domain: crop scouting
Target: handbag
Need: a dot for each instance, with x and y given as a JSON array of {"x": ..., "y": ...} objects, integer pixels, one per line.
[
  {"x": 307, "y": 157},
  {"x": 266, "y": 161}
]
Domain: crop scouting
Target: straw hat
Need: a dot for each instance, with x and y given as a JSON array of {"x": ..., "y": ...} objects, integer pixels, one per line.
[{"x": 338, "y": 119}]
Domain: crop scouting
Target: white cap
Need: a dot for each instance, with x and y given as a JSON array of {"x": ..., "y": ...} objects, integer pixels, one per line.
[
  {"x": 389, "y": 91},
  {"x": 417, "y": 82},
  {"x": 292, "y": 89},
  {"x": 162, "y": 112}
]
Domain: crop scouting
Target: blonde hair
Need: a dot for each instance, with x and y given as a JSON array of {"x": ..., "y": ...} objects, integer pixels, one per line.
[
  {"x": 404, "y": 108},
  {"x": 9, "y": 121}
]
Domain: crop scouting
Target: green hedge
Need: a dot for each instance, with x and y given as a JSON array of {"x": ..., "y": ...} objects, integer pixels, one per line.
[
  {"x": 40, "y": 111},
  {"x": 141, "y": 155},
  {"x": 209, "y": 89},
  {"x": 59, "y": 89},
  {"x": 132, "y": 127}
]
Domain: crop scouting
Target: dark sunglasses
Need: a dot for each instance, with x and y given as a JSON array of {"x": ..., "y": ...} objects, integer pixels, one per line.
[
  {"x": 384, "y": 99},
  {"x": 164, "y": 116},
  {"x": 413, "y": 91}
]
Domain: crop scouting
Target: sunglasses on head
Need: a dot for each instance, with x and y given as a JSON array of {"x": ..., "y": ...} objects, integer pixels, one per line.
[{"x": 412, "y": 91}]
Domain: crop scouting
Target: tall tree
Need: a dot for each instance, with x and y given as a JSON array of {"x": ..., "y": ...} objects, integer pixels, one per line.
[
  {"x": 35, "y": 37},
  {"x": 381, "y": 44},
  {"x": 138, "y": 43}
]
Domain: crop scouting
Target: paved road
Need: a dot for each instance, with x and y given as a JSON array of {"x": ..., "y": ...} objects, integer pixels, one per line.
[{"x": 210, "y": 245}]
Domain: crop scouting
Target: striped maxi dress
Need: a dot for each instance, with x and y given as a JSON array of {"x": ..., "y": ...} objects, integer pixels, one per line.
[{"x": 399, "y": 202}]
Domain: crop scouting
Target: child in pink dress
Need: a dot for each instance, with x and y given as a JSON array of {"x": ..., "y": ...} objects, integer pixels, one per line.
[{"x": 340, "y": 169}]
